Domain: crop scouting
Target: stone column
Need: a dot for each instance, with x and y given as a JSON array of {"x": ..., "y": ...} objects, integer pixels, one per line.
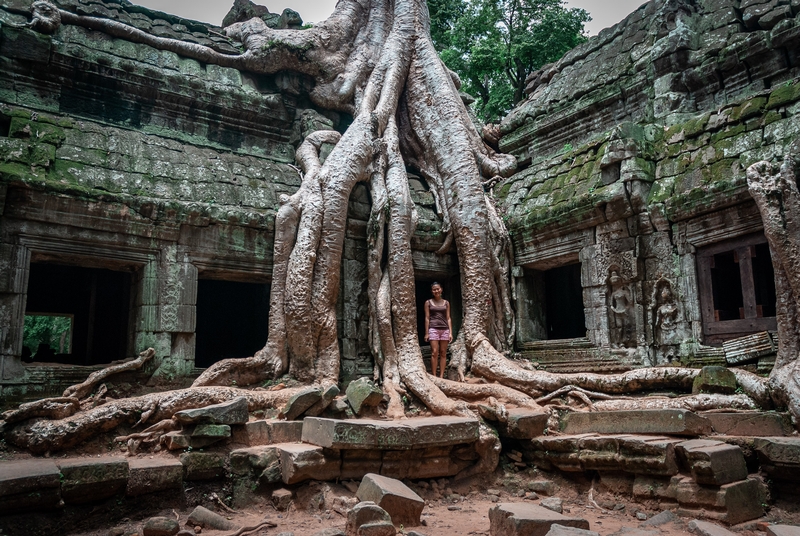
[{"x": 14, "y": 270}]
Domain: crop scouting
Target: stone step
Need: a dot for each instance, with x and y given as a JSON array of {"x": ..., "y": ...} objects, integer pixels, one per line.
[
  {"x": 267, "y": 432},
  {"x": 523, "y": 423},
  {"x": 679, "y": 422},
  {"x": 29, "y": 485},
  {"x": 389, "y": 435},
  {"x": 779, "y": 457},
  {"x": 755, "y": 424}
]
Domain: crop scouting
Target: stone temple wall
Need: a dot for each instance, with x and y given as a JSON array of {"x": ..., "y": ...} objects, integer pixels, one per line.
[{"x": 633, "y": 149}]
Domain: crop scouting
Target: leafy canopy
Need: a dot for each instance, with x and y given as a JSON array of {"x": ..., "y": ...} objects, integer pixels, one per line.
[{"x": 494, "y": 45}]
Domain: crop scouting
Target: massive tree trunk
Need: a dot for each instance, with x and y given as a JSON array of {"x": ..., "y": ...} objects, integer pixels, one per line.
[
  {"x": 775, "y": 190},
  {"x": 375, "y": 60}
]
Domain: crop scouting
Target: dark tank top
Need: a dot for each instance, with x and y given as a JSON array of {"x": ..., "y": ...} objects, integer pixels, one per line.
[{"x": 438, "y": 315}]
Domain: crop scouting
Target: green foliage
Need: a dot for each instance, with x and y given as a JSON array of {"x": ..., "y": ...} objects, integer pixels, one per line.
[
  {"x": 46, "y": 329},
  {"x": 494, "y": 45}
]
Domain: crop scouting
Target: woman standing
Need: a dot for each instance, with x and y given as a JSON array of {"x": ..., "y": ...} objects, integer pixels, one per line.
[{"x": 438, "y": 328}]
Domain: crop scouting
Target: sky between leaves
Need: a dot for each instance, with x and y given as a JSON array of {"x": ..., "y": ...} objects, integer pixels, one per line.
[{"x": 604, "y": 13}]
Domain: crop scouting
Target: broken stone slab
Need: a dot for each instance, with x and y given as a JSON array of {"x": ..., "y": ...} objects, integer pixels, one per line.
[
  {"x": 561, "y": 530},
  {"x": 266, "y": 432},
  {"x": 202, "y": 465},
  {"x": 403, "y": 505},
  {"x": 181, "y": 439},
  {"x": 526, "y": 519},
  {"x": 643, "y": 421},
  {"x": 783, "y": 530},
  {"x": 389, "y": 435},
  {"x": 756, "y": 424},
  {"x": 661, "y": 518},
  {"x": 362, "y": 393},
  {"x": 281, "y": 499},
  {"x": 233, "y": 412},
  {"x": 148, "y": 475},
  {"x": 706, "y": 528},
  {"x": 779, "y": 457},
  {"x": 712, "y": 462},
  {"x": 545, "y": 487},
  {"x": 301, "y": 462},
  {"x": 160, "y": 526},
  {"x": 714, "y": 379},
  {"x": 553, "y": 503},
  {"x": 328, "y": 395},
  {"x": 91, "y": 479},
  {"x": 732, "y": 503},
  {"x": 366, "y": 513},
  {"x": 29, "y": 485},
  {"x": 300, "y": 402},
  {"x": 523, "y": 423}
]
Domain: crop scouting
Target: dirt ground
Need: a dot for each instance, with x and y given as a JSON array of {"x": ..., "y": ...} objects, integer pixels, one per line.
[{"x": 454, "y": 509}]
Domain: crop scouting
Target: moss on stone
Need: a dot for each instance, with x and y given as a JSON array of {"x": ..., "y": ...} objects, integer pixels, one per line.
[
  {"x": 36, "y": 130},
  {"x": 784, "y": 94},
  {"x": 747, "y": 109}
]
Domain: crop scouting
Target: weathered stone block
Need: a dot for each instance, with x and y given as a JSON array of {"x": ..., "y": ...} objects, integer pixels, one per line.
[
  {"x": 151, "y": 475},
  {"x": 160, "y": 526},
  {"x": 357, "y": 463},
  {"x": 706, "y": 528},
  {"x": 734, "y": 503},
  {"x": 29, "y": 485},
  {"x": 522, "y": 519},
  {"x": 523, "y": 424},
  {"x": 179, "y": 439},
  {"x": 782, "y": 530},
  {"x": 212, "y": 431},
  {"x": 649, "y": 455},
  {"x": 390, "y": 435},
  {"x": 758, "y": 424},
  {"x": 561, "y": 530},
  {"x": 712, "y": 462},
  {"x": 306, "y": 462},
  {"x": 202, "y": 465},
  {"x": 266, "y": 432},
  {"x": 91, "y": 479},
  {"x": 253, "y": 459},
  {"x": 779, "y": 457},
  {"x": 365, "y": 513},
  {"x": 233, "y": 412},
  {"x": 714, "y": 380},
  {"x": 403, "y": 505},
  {"x": 300, "y": 402},
  {"x": 646, "y": 421},
  {"x": 281, "y": 499},
  {"x": 362, "y": 393}
]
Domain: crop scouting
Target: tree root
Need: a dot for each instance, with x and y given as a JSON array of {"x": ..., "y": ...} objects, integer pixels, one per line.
[
  {"x": 82, "y": 389},
  {"x": 701, "y": 402},
  {"x": 50, "y": 408}
]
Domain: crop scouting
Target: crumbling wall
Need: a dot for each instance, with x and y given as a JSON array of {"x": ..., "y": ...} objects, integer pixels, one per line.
[{"x": 634, "y": 148}]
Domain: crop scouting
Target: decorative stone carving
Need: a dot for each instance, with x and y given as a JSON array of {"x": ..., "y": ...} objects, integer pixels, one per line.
[
  {"x": 665, "y": 320},
  {"x": 621, "y": 316}
]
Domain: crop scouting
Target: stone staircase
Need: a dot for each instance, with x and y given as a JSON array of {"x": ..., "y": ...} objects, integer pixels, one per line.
[{"x": 674, "y": 457}]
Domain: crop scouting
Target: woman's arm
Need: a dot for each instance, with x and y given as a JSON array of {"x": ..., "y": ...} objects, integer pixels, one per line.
[
  {"x": 428, "y": 319},
  {"x": 449, "y": 323}
]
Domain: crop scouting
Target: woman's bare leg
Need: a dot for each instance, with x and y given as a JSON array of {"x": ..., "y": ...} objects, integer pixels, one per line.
[
  {"x": 434, "y": 355},
  {"x": 442, "y": 357}
]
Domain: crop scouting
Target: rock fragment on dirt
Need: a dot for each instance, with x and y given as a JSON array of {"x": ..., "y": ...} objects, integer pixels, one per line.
[
  {"x": 545, "y": 487},
  {"x": 160, "y": 526},
  {"x": 205, "y": 518},
  {"x": 403, "y": 505},
  {"x": 561, "y": 530},
  {"x": 526, "y": 519},
  {"x": 368, "y": 515},
  {"x": 553, "y": 503},
  {"x": 281, "y": 499},
  {"x": 706, "y": 528},
  {"x": 661, "y": 518}
]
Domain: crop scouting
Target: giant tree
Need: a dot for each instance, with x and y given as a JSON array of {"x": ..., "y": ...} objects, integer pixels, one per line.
[{"x": 375, "y": 60}]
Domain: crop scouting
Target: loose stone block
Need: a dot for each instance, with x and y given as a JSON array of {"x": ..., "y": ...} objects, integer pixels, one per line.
[
  {"x": 403, "y": 505},
  {"x": 714, "y": 380},
  {"x": 561, "y": 530},
  {"x": 758, "y": 424},
  {"x": 281, "y": 499},
  {"x": 233, "y": 412},
  {"x": 645, "y": 421},
  {"x": 300, "y": 402},
  {"x": 266, "y": 432},
  {"x": 546, "y": 487},
  {"x": 92, "y": 479},
  {"x": 523, "y": 424},
  {"x": 365, "y": 513},
  {"x": 713, "y": 462},
  {"x": 151, "y": 475},
  {"x": 362, "y": 393},
  {"x": 706, "y": 528},
  {"x": 202, "y": 465},
  {"x": 779, "y": 457},
  {"x": 29, "y": 485},
  {"x": 783, "y": 530},
  {"x": 160, "y": 526},
  {"x": 525, "y": 519},
  {"x": 306, "y": 462},
  {"x": 732, "y": 503},
  {"x": 253, "y": 459}
]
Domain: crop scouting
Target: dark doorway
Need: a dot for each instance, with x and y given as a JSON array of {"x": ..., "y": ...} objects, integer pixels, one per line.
[
  {"x": 97, "y": 300},
  {"x": 451, "y": 291},
  {"x": 232, "y": 320},
  {"x": 565, "y": 317}
]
